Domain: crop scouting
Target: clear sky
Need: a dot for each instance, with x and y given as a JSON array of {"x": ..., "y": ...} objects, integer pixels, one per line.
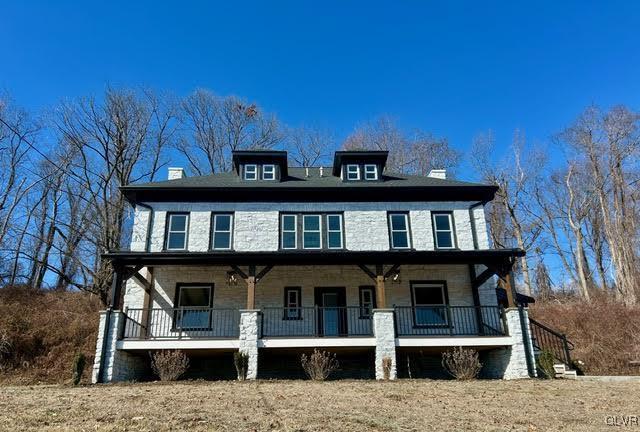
[{"x": 453, "y": 68}]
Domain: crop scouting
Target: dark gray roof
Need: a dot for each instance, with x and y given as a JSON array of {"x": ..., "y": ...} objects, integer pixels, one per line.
[{"x": 297, "y": 179}]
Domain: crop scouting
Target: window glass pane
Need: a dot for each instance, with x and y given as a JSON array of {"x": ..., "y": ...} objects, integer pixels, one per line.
[
  {"x": 400, "y": 240},
  {"x": 194, "y": 296},
  {"x": 398, "y": 222},
  {"x": 289, "y": 223},
  {"x": 176, "y": 241},
  {"x": 335, "y": 240},
  {"x": 442, "y": 222},
  {"x": 223, "y": 223},
  {"x": 312, "y": 223},
  {"x": 178, "y": 222},
  {"x": 288, "y": 240},
  {"x": 444, "y": 239},
  {"x": 250, "y": 172},
  {"x": 333, "y": 222},
  {"x": 428, "y": 295},
  {"x": 222, "y": 240},
  {"x": 311, "y": 240}
]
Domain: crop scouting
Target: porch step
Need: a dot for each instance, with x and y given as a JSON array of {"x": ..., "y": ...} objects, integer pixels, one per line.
[{"x": 562, "y": 372}]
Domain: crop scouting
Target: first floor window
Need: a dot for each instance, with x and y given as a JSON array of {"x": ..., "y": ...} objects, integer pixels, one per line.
[
  {"x": 443, "y": 230},
  {"x": 289, "y": 231},
  {"x": 193, "y": 306},
  {"x": 222, "y": 229},
  {"x": 251, "y": 172},
  {"x": 292, "y": 303},
  {"x": 367, "y": 301},
  {"x": 430, "y": 301},
  {"x": 177, "y": 225},
  {"x": 353, "y": 172},
  {"x": 311, "y": 232},
  {"x": 268, "y": 172},
  {"x": 399, "y": 230},
  {"x": 371, "y": 172},
  {"x": 334, "y": 231}
]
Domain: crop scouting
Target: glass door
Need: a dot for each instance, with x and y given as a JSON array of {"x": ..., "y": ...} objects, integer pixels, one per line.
[{"x": 330, "y": 314}]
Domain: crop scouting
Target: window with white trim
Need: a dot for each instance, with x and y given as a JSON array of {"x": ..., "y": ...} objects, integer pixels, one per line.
[
  {"x": 443, "y": 230},
  {"x": 293, "y": 303},
  {"x": 268, "y": 172},
  {"x": 334, "y": 231},
  {"x": 311, "y": 231},
  {"x": 371, "y": 172},
  {"x": 399, "y": 230},
  {"x": 251, "y": 172},
  {"x": 177, "y": 226},
  {"x": 367, "y": 301},
  {"x": 222, "y": 229},
  {"x": 289, "y": 228},
  {"x": 430, "y": 303},
  {"x": 353, "y": 172}
]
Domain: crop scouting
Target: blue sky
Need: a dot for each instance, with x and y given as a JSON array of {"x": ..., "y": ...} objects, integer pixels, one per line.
[{"x": 453, "y": 68}]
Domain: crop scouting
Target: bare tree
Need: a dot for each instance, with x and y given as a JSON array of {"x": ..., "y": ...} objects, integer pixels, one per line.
[{"x": 309, "y": 146}]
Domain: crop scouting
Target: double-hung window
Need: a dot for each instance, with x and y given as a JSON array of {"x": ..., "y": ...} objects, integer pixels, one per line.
[
  {"x": 443, "y": 231},
  {"x": 268, "y": 172},
  {"x": 177, "y": 227},
  {"x": 289, "y": 228},
  {"x": 311, "y": 231},
  {"x": 222, "y": 229},
  {"x": 367, "y": 301},
  {"x": 430, "y": 303},
  {"x": 353, "y": 172},
  {"x": 193, "y": 306},
  {"x": 371, "y": 172},
  {"x": 334, "y": 231},
  {"x": 399, "y": 230},
  {"x": 251, "y": 172},
  {"x": 292, "y": 303}
]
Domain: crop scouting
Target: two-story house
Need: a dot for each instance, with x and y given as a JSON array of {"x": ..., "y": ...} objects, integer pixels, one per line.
[{"x": 271, "y": 257}]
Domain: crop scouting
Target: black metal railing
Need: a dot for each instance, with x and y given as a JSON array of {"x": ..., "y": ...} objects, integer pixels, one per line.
[
  {"x": 449, "y": 321},
  {"x": 316, "y": 321},
  {"x": 547, "y": 339},
  {"x": 183, "y": 322}
]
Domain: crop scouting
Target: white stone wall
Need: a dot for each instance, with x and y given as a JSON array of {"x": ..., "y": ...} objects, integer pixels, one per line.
[
  {"x": 256, "y": 225},
  {"x": 248, "y": 341},
  {"x": 384, "y": 331},
  {"x": 510, "y": 362}
]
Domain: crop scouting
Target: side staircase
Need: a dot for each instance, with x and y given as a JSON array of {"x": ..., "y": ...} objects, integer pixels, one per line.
[{"x": 547, "y": 339}]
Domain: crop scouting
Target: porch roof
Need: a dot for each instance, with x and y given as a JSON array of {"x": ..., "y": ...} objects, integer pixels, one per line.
[{"x": 490, "y": 257}]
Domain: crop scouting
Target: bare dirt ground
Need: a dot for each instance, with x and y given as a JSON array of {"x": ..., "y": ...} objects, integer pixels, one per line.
[{"x": 421, "y": 405}]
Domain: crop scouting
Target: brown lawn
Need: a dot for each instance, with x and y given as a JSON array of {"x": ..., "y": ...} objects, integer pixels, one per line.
[{"x": 308, "y": 406}]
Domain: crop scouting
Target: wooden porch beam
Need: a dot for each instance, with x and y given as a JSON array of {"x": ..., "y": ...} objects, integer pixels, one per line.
[
  {"x": 482, "y": 277},
  {"x": 368, "y": 272},
  {"x": 392, "y": 270},
  {"x": 380, "y": 288},
  {"x": 146, "y": 285},
  {"x": 238, "y": 270},
  {"x": 263, "y": 272}
]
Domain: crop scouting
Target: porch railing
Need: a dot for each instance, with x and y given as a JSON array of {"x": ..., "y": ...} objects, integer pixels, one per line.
[
  {"x": 449, "y": 321},
  {"x": 181, "y": 323},
  {"x": 316, "y": 321},
  {"x": 547, "y": 339}
]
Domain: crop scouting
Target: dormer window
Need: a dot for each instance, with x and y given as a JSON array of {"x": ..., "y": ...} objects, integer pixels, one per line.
[
  {"x": 251, "y": 172},
  {"x": 371, "y": 172},
  {"x": 353, "y": 172},
  {"x": 268, "y": 172}
]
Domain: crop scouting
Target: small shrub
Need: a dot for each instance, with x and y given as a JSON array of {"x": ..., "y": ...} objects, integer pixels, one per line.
[
  {"x": 5, "y": 349},
  {"x": 79, "y": 362},
  {"x": 386, "y": 367},
  {"x": 169, "y": 365},
  {"x": 545, "y": 364},
  {"x": 462, "y": 363},
  {"x": 241, "y": 362},
  {"x": 319, "y": 365}
]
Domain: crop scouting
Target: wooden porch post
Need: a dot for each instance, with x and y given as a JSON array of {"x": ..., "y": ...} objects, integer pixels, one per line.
[
  {"x": 251, "y": 288},
  {"x": 147, "y": 304},
  {"x": 380, "y": 289},
  {"x": 507, "y": 280}
]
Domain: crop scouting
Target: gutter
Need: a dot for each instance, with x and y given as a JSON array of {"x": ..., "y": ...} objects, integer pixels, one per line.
[{"x": 107, "y": 325}]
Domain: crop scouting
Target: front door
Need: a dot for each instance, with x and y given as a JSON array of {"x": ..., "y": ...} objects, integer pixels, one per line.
[{"x": 331, "y": 304}]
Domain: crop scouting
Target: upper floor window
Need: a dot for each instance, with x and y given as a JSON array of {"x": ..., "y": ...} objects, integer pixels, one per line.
[
  {"x": 443, "y": 230},
  {"x": 289, "y": 228},
  {"x": 334, "y": 231},
  {"x": 399, "y": 230},
  {"x": 251, "y": 172},
  {"x": 222, "y": 230},
  {"x": 353, "y": 172},
  {"x": 311, "y": 232},
  {"x": 177, "y": 227},
  {"x": 371, "y": 172},
  {"x": 268, "y": 172}
]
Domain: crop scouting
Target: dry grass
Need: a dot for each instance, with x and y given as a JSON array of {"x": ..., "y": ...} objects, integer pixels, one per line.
[
  {"x": 606, "y": 334},
  {"x": 531, "y": 405}
]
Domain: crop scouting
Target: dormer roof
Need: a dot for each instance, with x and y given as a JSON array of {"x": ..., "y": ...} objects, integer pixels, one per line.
[
  {"x": 342, "y": 158},
  {"x": 242, "y": 157}
]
